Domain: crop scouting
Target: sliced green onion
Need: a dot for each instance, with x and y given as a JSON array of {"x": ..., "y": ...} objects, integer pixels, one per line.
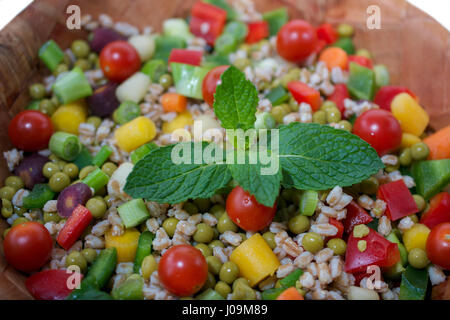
[
  {"x": 133, "y": 212},
  {"x": 144, "y": 249},
  {"x": 102, "y": 156},
  {"x": 142, "y": 151},
  {"x": 272, "y": 294},
  {"x": 237, "y": 29},
  {"x": 65, "y": 145},
  {"x": 72, "y": 86},
  {"x": 308, "y": 202},
  {"x": 188, "y": 79},
  {"x": 209, "y": 294},
  {"x": 154, "y": 69},
  {"x": 51, "y": 54},
  {"x": 97, "y": 179},
  {"x": 127, "y": 111},
  {"x": 225, "y": 44},
  {"x": 40, "y": 194},
  {"x": 277, "y": 95},
  {"x": 102, "y": 269},
  {"x": 291, "y": 278},
  {"x": 177, "y": 27},
  {"x": 381, "y": 75},
  {"x": 83, "y": 159}
]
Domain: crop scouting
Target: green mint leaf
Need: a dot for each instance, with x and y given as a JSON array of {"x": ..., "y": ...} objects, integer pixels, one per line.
[
  {"x": 265, "y": 187},
  {"x": 317, "y": 157},
  {"x": 157, "y": 178},
  {"x": 235, "y": 100}
]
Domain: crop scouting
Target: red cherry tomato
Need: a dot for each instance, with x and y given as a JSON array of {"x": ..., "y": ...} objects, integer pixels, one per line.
[
  {"x": 380, "y": 129},
  {"x": 50, "y": 284},
  {"x": 210, "y": 82},
  {"x": 30, "y": 130},
  {"x": 246, "y": 212},
  {"x": 28, "y": 246},
  {"x": 183, "y": 270},
  {"x": 438, "y": 245},
  {"x": 119, "y": 60},
  {"x": 296, "y": 40}
]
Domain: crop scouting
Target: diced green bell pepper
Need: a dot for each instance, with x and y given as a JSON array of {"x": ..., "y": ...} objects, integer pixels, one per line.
[
  {"x": 414, "y": 284},
  {"x": 238, "y": 29},
  {"x": 361, "y": 82},
  {"x": 88, "y": 291},
  {"x": 272, "y": 294},
  {"x": 215, "y": 60},
  {"x": 84, "y": 158},
  {"x": 291, "y": 278},
  {"x": 40, "y": 194},
  {"x": 144, "y": 249},
  {"x": 345, "y": 44},
  {"x": 154, "y": 68},
  {"x": 277, "y": 95},
  {"x": 392, "y": 237},
  {"x": 276, "y": 19},
  {"x": 431, "y": 176},
  {"x": 225, "y": 44},
  {"x": 165, "y": 44},
  {"x": 188, "y": 79},
  {"x": 130, "y": 289},
  {"x": 231, "y": 14}
]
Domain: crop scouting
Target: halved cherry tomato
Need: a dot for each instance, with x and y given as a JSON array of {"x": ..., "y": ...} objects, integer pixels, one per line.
[
  {"x": 386, "y": 94},
  {"x": 210, "y": 82},
  {"x": 28, "y": 246},
  {"x": 438, "y": 212},
  {"x": 119, "y": 60},
  {"x": 30, "y": 130},
  {"x": 338, "y": 96},
  {"x": 183, "y": 270},
  {"x": 380, "y": 129},
  {"x": 438, "y": 245},
  {"x": 296, "y": 40},
  {"x": 246, "y": 212},
  {"x": 50, "y": 284}
]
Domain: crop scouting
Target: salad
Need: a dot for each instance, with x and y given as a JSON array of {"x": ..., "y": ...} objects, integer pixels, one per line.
[{"x": 234, "y": 155}]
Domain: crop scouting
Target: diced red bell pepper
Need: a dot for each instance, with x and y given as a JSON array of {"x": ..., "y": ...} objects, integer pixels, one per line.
[
  {"x": 207, "y": 21},
  {"x": 257, "y": 31},
  {"x": 320, "y": 45},
  {"x": 192, "y": 57},
  {"x": 386, "y": 94},
  {"x": 339, "y": 226},
  {"x": 355, "y": 215},
  {"x": 304, "y": 93},
  {"x": 399, "y": 201},
  {"x": 363, "y": 61},
  {"x": 379, "y": 251},
  {"x": 438, "y": 212},
  {"x": 74, "y": 227},
  {"x": 326, "y": 33},
  {"x": 338, "y": 96},
  {"x": 49, "y": 284}
]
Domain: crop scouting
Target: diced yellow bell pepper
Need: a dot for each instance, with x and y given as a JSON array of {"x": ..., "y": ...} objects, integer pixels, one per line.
[
  {"x": 135, "y": 133},
  {"x": 68, "y": 117},
  {"x": 409, "y": 140},
  {"x": 416, "y": 237},
  {"x": 412, "y": 117},
  {"x": 255, "y": 259},
  {"x": 180, "y": 121},
  {"x": 126, "y": 244}
]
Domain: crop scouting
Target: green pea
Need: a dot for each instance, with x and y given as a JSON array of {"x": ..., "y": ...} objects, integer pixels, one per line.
[
  {"x": 270, "y": 239},
  {"x": 54, "y": 99},
  {"x": 364, "y": 53},
  {"x": 59, "y": 181},
  {"x": 214, "y": 264},
  {"x": 405, "y": 157},
  {"x": 222, "y": 288},
  {"x": 80, "y": 48},
  {"x": 47, "y": 107},
  {"x": 216, "y": 243},
  {"x": 190, "y": 208},
  {"x": 392, "y": 168},
  {"x": 293, "y": 104},
  {"x": 278, "y": 113},
  {"x": 71, "y": 170},
  {"x": 166, "y": 81},
  {"x": 51, "y": 217},
  {"x": 205, "y": 249},
  {"x": 53, "y": 158},
  {"x": 92, "y": 58},
  {"x": 418, "y": 258},
  {"x": 7, "y": 208},
  {"x": 345, "y": 125},
  {"x": 225, "y": 224},
  {"x": 420, "y": 201},
  {"x": 14, "y": 182},
  {"x": 18, "y": 221},
  {"x": 109, "y": 168},
  {"x": 89, "y": 254},
  {"x": 94, "y": 120},
  {"x": 60, "y": 68},
  {"x": 337, "y": 245},
  {"x": 333, "y": 115},
  {"x": 242, "y": 63},
  {"x": 37, "y": 91},
  {"x": 108, "y": 200},
  {"x": 77, "y": 259},
  {"x": 328, "y": 104},
  {"x": 369, "y": 186},
  {"x": 286, "y": 108},
  {"x": 299, "y": 224},
  {"x": 319, "y": 117},
  {"x": 83, "y": 64},
  {"x": 85, "y": 171},
  {"x": 345, "y": 30},
  {"x": 217, "y": 210},
  {"x": 204, "y": 233},
  {"x": 228, "y": 272},
  {"x": 203, "y": 205},
  {"x": 210, "y": 282},
  {"x": 7, "y": 193},
  {"x": 61, "y": 164},
  {"x": 97, "y": 206},
  {"x": 170, "y": 225},
  {"x": 419, "y": 151},
  {"x": 312, "y": 242},
  {"x": 50, "y": 169}
]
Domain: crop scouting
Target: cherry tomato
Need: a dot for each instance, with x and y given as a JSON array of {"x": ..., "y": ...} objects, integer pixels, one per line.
[
  {"x": 51, "y": 284},
  {"x": 296, "y": 40},
  {"x": 119, "y": 60},
  {"x": 183, "y": 270},
  {"x": 438, "y": 245},
  {"x": 210, "y": 82},
  {"x": 30, "y": 130},
  {"x": 246, "y": 212},
  {"x": 28, "y": 246},
  {"x": 380, "y": 129}
]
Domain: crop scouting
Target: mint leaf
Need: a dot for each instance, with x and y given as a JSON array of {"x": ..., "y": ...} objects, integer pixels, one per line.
[
  {"x": 157, "y": 178},
  {"x": 265, "y": 187},
  {"x": 317, "y": 157},
  {"x": 235, "y": 100}
]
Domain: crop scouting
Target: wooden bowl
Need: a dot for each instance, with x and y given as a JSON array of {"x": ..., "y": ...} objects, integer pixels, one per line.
[{"x": 414, "y": 47}]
